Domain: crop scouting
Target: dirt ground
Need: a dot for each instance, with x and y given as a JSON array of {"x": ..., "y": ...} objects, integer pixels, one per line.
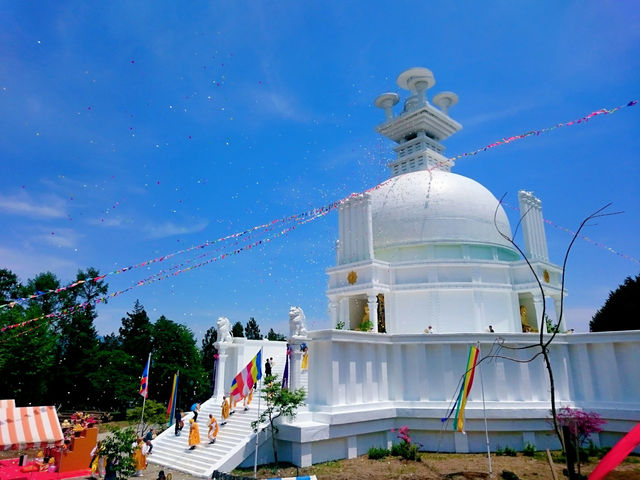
[
  {"x": 444, "y": 466},
  {"x": 432, "y": 466}
]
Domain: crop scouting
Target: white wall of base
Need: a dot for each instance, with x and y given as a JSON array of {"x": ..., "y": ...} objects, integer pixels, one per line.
[{"x": 363, "y": 384}]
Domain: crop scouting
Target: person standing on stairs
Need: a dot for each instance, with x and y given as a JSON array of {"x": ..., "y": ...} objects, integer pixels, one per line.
[
  {"x": 225, "y": 410},
  {"x": 194, "y": 434},
  {"x": 246, "y": 400},
  {"x": 267, "y": 368},
  {"x": 179, "y": 424},
  {"x": 213, "y": 429},
  {"x": 195, "y": 408}
]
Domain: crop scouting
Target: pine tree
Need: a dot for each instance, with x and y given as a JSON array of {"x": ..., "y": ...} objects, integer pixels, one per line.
[
  {"x": 274, "y": 336},
  {"x": 237, "y": 330},
  {"x": 78, "y": 345},
  {"x": 208, "y": 348},
  {"x": 252, "y": 330},
  {"x": 620, "y": 311},
  {"x": 135, "y": 334}
]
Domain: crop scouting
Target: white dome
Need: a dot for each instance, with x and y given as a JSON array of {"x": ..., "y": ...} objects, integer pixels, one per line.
[{"x": 435, "y": 207}]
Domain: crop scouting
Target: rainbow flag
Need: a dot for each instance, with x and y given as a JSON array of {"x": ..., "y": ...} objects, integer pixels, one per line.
[
  {"x": 144, "y": 381},
  {"x": 171, "y": 410},
  {"x": 458, "y": 423},
  {"x": 247, "y": 378},
  {"x": 465, "y": 389}
]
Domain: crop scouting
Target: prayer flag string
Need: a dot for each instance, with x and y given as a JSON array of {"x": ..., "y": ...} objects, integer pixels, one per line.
[
  {"x": 583, "y": 237},
  {"x": 603, "y": 111},
  {"x": 158, "y": 277}
]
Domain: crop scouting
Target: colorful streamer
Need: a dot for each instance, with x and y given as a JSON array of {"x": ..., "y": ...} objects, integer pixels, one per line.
[
  {"x": 586, "y": 118},
  {"x": 583, "y": 237},
  {"x": 465, "y": 389},
  {"x": 312, "y": 214},
  {"x": 297, "y": 217},
  {"x": 171, "y": 410},
  {"x": 318, "y": 213}
]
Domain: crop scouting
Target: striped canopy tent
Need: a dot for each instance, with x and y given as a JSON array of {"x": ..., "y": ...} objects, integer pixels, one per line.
[{"x": 28, "y": 427}]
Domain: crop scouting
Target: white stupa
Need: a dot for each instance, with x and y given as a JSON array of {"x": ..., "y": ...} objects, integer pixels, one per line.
[{"x": 425, "y": 249}]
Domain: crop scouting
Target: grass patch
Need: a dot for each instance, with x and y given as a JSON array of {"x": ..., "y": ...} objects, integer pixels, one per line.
[{"x": 376, "y": 453}]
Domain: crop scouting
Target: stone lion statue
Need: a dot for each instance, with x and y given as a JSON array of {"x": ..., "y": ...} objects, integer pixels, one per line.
[
  {"x": 224, "y": 330},
  {"x": 297, "y": 327}
]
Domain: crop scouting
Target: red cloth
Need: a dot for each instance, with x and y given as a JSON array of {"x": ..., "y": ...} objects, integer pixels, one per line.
[
  {"x": 619, "y": 452},
  {"x": 10, "y": 469}
]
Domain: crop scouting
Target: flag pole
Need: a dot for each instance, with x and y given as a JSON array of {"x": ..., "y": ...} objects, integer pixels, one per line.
[
  {"x": 484, "y": 411},
  {"x": 144, "y": 399},
  {"x": 255, "y": 456}
]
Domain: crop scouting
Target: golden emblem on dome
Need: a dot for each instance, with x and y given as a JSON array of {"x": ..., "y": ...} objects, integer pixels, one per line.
[
  {"x": 545, "y": 274},
  {"x": 352, "y": 277}
]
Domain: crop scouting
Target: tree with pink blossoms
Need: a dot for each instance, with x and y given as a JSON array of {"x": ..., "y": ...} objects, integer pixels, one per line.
[{"x": 581, "y": 424}]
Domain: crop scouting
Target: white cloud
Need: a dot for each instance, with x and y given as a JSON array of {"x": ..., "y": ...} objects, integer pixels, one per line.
[
  {"x": 169, "y": 229},
  {"x": 22, "y": 204},
  {"x": 495, "y": 115},
  {"x": 27, "y": 264},
  {"x": 60, "y": 237},
  {"x": 278, "y": 103}
]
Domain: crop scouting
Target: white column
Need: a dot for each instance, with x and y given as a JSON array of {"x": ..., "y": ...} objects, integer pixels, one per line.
[
  {"x": 368, "y": 226},
  {"x": 333, "y": 312},
  {"x": 295, "y": 360},
  {"x": 372, "y": 301},
  {"x": 352, "y": 447},
  {"x": 563, "y": 322},
  {"x": 538, "y": 303},
  {"x": 533, "y": 226},
  {"x": 341, "y": 236},
  {"x": 222, "y": 360}
]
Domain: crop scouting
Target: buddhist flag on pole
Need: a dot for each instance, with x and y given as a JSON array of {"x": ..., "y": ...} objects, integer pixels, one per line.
[
  {"x": 144, "y": 381},
  {"x": 247, "y": 378},
  {"x": 465, "y": 389},
  {"x": 458, "y": 423},
  {"x": 171, "y": 410}
]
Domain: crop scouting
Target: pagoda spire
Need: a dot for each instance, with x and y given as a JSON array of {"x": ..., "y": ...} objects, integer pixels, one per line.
[{"x": 420, "y": 127}]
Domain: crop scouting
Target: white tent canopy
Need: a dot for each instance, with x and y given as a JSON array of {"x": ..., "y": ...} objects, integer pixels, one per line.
[{"x": 28, "y": 427}]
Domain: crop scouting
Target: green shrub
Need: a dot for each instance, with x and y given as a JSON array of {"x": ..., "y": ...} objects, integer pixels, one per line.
[
  {"x": 376, "y": 453},
  {"x": 408, "y": 451},
  {"x": 365, "y": 326},
  {"x": 506, "y": 451},
  {"x": 529, "y": 450},
  {"x": 406, "y": 448},
  {"x": 510, "y": 452}
]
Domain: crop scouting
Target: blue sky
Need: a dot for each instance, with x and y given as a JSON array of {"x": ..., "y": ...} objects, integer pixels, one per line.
[{"x": 130, "y": 130}]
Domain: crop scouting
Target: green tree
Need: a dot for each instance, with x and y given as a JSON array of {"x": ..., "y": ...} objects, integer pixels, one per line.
[
  {"x": 274, "y": 336},
  {"x": 78, "y": 345},
  {"x": 116, "y": 379},
  {"x": 44, "y": 282},
  {"x": 620, "y": 311},
  {"x": 135, "y": 334},
  {"x": 174, "y": 348},
  {"x": 9, "y": 286},
  {"x": 209, "y": 352},
  {"x": 118, "y": 452},
  {"x": 237, "y": 330},
  {"x": 252, "y": 330},
  {"x": 155, "y": 413},
  {"x": 280, "y": 402},
  {"x": 27, "y": 355}
]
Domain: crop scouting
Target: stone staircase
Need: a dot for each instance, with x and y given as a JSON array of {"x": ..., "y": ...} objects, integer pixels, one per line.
[{"x": 235, "y": 441}]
